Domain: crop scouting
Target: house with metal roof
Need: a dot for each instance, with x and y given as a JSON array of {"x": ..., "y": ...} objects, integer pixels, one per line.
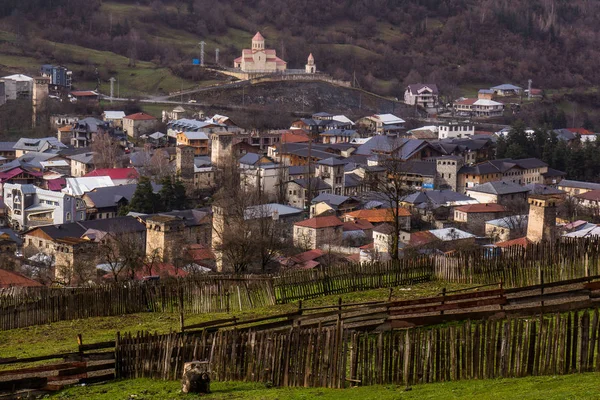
[
  {"x": 425, "y": 95},
  {"x": 507, "y": 89},
  {"x": 41, "y": 145},
  {"x": 500, "y": 192}
]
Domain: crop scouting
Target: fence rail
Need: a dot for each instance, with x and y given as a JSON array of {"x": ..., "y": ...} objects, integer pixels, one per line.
[{"x": 334, "y": 356}]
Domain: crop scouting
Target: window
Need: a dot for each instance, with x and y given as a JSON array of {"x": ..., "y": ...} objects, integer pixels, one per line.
[{"x": 68, "y": 216}]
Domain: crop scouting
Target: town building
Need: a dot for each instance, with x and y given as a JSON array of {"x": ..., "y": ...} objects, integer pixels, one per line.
[
  {"x": 259, "y": 59},
  {"x": 478, "y": 107},
  {"x": 455, "y": 130},
  {"x": 81, "y": 164},
  {"x": 199, "y": 141},
  {"x": 507, "y": 90},
  {"x": 541, "y": 225},
  {"x": 40, "y": 145},
  {"x": 138, "y": 124},
  {"x": 500, "y": 192},
  {"x": 474, "y": 216},
  {"x": 423, "y": 95},
  {"x": 60, "y": 76},
  {"x": 317, "y": 232},
  {"x": 114, "y": 118},
  {"x": 18, "y": 86},
  {"x": 29, "y": 206},
  {"x": 382, "y": 124},
  {"x": 573, "y": 188},
  {"x": 507, "y": 228}
]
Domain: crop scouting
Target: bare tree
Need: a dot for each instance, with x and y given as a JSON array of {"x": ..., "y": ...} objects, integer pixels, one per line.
[
  {"x": 106, "y": 151},
  {"x": 123, "y": 252},
  {"x": 517, "y": 210}
]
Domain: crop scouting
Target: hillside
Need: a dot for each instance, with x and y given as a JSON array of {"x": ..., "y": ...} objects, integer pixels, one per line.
[{"x": 459, "y": 44}]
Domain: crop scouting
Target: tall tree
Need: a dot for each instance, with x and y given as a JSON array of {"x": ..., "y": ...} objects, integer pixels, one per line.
[{"x": 144, "y": 200}]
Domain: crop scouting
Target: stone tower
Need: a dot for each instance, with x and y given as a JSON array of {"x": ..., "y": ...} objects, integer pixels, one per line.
[
  {"x": 163, "y": 234},
  {"x": 258, "y": 42},
  {"x": 541, "y": 225},
  {"x": 311, "y": 68},
  {"x": 185, "y": 163},
  {"x": 447, "y": 172},
  {"x": 39, "y": 97},
  {"x": 221, "y": 148}
]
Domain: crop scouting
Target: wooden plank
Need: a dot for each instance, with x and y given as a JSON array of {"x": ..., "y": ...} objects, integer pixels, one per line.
[{"x": 24, "y": 383}]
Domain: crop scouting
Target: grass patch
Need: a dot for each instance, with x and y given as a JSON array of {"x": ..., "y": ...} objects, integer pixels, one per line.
[
  {"x": 61, "y": 336},
  {"x": 581, "y": 386}
]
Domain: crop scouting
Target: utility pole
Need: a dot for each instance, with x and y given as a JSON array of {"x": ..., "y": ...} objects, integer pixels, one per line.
[
  {"x": 202, "y": 43},
  {"x": 112, "y": 88}
]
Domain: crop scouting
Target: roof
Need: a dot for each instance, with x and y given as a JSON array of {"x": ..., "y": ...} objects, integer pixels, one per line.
[
  {"x": 332, "y": 161},
  {"x": 436, "y": 198},
  {"x": 421, "y": 238},
  {"x": 7, "y": 146},
  {"x": 18, "y": 77},
  {"x": 115, "y": 173},
  {"x": 377, "y": 215},
  {"x": 13, "y": 279},
  {"x": 486, "y": 102},
  {"x": 271, "y": 210},
  {"x": 592, "y": 195},
  {"x": 538, "y": 188},
  {"x": 156, "y": 269},
  {"x": 385, "y": 228},
  {"x": 307, "y": 256},
  {"x": 320, "y": 222},
  {"x": 522, "y": 241},
  {"x": 37, "y": 144},
  {"x": 449, "y": 234},
  {"x": 510, "y": 222},
  {"x": 482, "y": 208},
  {"x": 195, "y": 135},
  {"x": 331, "y": 199},
  {"x": 81, "y": 185},
  {"x": 389, "y": 119},
  {"x": 114, "y": 114},
  {"x": 140, "y": 117},
  {"x": 498, "y": 188},
  {"x": 417, "y": 87},
  {"x": 581, "y": 131},
  {"x": 109, "y": 196},
  {"x": 84, "y": 93},
  {"x": 315, "y": 183},
  {"x": 295, "y": 136},
  {"x": 258, "y": 37},
  {"x": 77, "y": 229},
  {"x": 567, "y": 183},
  {"x": 357, "y": 225},
  {"x": 506, "y": 86},
  {"x": 85, "y": 158},
  {"x": 486, "y": 91},
  {"x": 586, "y": 232},
  {"x": 553, "y": 172},
  {"x": 157, "y": 135},
  {"x": 66, "y": 128}
]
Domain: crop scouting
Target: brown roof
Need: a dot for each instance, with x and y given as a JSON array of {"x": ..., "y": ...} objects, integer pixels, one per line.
[
  {"x": 320, "y": 222},
  {"x": 482, "y": 208},
  {"x": 140, "y": 117},
  {"x": 421, "y": 238},
  {"x": 357, "y": 225},
  {"x": 377, "y": 215},
  {"x": 66, "y": 128},
  {"x": 593, "y": 195},
  {"x": 468, "y": 101},
  {"x": 522, "y": 241},
  {"x": 258, "y": 36},
  {"x": 293, "y": 137},
  {"x": 10, "y": 279}
]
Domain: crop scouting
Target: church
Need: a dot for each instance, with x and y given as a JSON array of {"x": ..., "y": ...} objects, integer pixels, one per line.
[{"x": 259, "y": 59}]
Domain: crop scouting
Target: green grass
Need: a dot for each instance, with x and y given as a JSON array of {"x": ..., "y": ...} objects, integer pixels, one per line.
[
  {"x": 61, "y": 336},
  {"x": 581, "y": 386}
]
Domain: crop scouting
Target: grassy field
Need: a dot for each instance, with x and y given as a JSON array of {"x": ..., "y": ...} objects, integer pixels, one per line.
[
  {"x": 582, "y": 386},
  {"x": 61, "y": 336}
]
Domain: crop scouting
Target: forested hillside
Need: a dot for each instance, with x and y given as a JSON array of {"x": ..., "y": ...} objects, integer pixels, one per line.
[{"x": 387, "y": 43}]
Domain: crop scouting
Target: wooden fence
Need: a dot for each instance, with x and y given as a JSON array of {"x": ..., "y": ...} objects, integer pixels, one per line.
[
  {"x": 21, "y": 307},
  {"x": 336, "y": 357},
  {"x": 517, "y": 266},
  {"x": 306, "y": 284}
]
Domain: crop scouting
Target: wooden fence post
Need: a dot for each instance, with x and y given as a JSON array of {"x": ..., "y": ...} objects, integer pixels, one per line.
[{"x": 443, "y": 299}]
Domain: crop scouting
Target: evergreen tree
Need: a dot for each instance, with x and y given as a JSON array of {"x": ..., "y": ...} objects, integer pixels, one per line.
[
  {"x": 144, "y": 199},
  {"x": 166, "y": 194},
  {"x": 180, "y": 200}
]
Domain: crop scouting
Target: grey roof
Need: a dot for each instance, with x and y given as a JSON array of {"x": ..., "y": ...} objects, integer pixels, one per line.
[
  {"x": 315, "y": 183},
  {"x": 506, "y": 86},
  {"x": 438, "y": 197},
  {"x": 332, "y": 161},
  {"x": 553, "y": 172},
  {"x": 510, "y": 222},
  {"x": 157, "y": 135},
  {"x": 565, "y": 134},
  {"x": 423, "y": 168},
  {"x": 538, "y": 188},
  {"x": 109, "y": 196},
  {"x": 76, "y": 229},
  {"x": 7, "y": 146},
  {"x": 92, "y": 124},
  {"x": 339, "y": 132},
  {"x": 499, "y": 188},
  {"x": 85, "y": 158},
  {"x": 414, "y": 88},
  {"x": 530, "y": 163},
  {"x": 192, "y": 217},
  {"x": 331, "y": 199},
  {"x": 13, "y": 236},
  {"x": 486, "y": 91},
  {"x": 300, "y": 169},
  {"x": 37, "y": 144},
  {"x": 579, "y": 184},
  {"x": 384, "y": 228},
  {"x": 250, "y": 158},
  {"x": 352, "y": 180},
  {"x": 202, "y": 161},
  {"x": 267, "y": 210}
]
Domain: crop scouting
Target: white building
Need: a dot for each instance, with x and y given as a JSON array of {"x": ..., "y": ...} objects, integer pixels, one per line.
[
  {"x": 29, "y": 206},
  {"x": 452, "y": 131},
  {"x": 423, "y": 95},
  {"x": 18, "y": 86},
  {"x": 259, "y": 59}
]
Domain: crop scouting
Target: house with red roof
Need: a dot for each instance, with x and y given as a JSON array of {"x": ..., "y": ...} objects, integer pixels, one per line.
[
  {"x": 584, "y": 134},
  {"x": 12, "y": 279},
  {"x": 119, "y": 176},
  {"x": 472, "y": 217},
  {"x": 315, "y": 232},
  {"x": 135, "y": 125},
  {"x": 154, "y": 270}
]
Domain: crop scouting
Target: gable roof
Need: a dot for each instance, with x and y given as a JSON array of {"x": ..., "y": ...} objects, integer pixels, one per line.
[
  {"x": 522, "y": 241},
  {"x": 195, "y": 135},
  {"x": 329, "y": 198},
  {"x": 538, "y": 188},
  {"x": 114, "y": 114},
  {"x": 79, "y": 186},
  {"x": 377, "y": 215},
  {"x": 592, "y": 195},
  {"x": 506, "y": 86},
  {"x": 115, "y": 173},
  {"x": 482, "y": 208},
  {"x": 389, "y": 119},
  {"x": 13, "y": 279},
  {"x": 417, "y": 87},
  {"x": 141, "y": 116},
  {"x": 498, "y": 188},
  {"x": 567, "y": 183},
  {"x": 109, "y": 196},
  {"x": 320, "y": 222}
]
